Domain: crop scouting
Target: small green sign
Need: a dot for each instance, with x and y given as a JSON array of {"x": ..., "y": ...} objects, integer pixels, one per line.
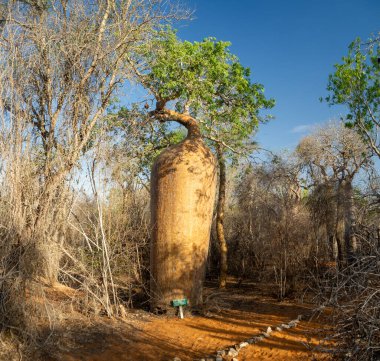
[{"x": 182, "y": 302}]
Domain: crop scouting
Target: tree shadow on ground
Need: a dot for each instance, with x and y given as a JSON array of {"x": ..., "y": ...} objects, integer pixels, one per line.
[{"x": 228, "y": 317}]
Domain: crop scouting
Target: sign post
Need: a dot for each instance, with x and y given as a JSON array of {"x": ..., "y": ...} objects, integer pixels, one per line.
[{"x": 180, "y": 303}]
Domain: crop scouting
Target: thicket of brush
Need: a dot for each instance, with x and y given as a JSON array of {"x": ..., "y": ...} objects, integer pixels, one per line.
[
  {"x": 95, "y": 239},
  {"x": 74, "y": 187}
]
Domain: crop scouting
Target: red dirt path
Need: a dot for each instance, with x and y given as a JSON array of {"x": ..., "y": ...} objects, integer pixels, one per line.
[{"x": 230, "y": 317}]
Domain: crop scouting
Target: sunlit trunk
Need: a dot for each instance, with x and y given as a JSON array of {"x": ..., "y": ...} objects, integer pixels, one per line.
[{"x": 183, "y": 183}]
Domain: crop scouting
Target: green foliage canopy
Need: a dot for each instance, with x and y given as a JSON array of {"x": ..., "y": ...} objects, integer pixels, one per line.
[
  {"x": 206, "y": 81},
  {"x": 356, "y": 84}
]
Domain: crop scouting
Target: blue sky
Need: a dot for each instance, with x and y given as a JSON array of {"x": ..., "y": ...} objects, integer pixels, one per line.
[{"x": 291, "y": 47}]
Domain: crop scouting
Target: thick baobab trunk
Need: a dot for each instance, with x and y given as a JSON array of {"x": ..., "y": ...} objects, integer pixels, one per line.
[
  {"x": 220, "y": 218},
  {"x": 349, "y": 221},
  {"x": 183, "y": 186}
]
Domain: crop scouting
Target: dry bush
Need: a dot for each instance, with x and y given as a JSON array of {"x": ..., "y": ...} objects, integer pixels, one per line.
[
  {"x": 107, "y": 256},
  {"x": 353, "y": 291},
  {"x": 61, "y": 65},
  {"x": 25, "y": 258},
  {"x": 332, "y": 157},
  {"x": 354, "y": 295},
  {"x": 10, "y": 347},
  {"x": 100, "y": 250},
  {"x": 269, "y": 235}
]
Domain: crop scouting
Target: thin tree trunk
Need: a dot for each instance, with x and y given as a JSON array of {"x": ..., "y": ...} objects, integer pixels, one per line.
[
  {"x": 331, "y": 215},
  {"x": 333, "y": 245},
  {"x": 349, "y": 222},
  {"x": 338, "y": 225},
  {"x": 220, "y": 218}
]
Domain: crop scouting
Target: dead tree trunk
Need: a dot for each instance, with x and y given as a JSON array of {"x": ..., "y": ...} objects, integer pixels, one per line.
[
  {"x": 183, "y": 183},
  {"x": 220, "y": 218}
]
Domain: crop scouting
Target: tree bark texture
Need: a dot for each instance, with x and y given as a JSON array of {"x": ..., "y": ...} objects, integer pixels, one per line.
[
  {"x": 349, "y": 222},
  {"x": 331, "y": 214},
  {"x": 339, "y": 225},
  {"x": 220, "y": 218},
  {"x": 183, "y": 184}
]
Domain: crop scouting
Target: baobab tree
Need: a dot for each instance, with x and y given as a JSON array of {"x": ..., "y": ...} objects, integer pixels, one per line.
[{"x": 211, "y": 95}]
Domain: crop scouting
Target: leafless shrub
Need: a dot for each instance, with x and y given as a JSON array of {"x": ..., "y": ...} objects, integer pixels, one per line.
[
  {"x": 107, "y": 257},
  {"x": 354, "y": 295},
  {"x": 353, "y": 292},
  {"x": 270, "y": 226},
  {"x": 332, "y": 157},
  {"x": 62, "y": 63}
]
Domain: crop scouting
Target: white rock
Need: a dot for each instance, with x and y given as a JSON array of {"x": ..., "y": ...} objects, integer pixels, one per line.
[
  {"x": 278, "y": 328},
  {"x": 243, "y": 344},
  {"x": 269, "y": 330},
  {"x": 232, "y": 352},
  {"x": 219, "y": 358}
]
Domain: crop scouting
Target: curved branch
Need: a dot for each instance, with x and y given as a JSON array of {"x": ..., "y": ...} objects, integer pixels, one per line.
[{"x": 166, "y": 115}]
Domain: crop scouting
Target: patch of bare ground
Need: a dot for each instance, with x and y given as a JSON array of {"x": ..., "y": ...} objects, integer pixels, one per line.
[{"x": 229, "y": 317}]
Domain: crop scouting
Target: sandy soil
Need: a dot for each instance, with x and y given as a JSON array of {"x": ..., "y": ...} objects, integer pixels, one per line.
[{"x": 229, "y": 317}]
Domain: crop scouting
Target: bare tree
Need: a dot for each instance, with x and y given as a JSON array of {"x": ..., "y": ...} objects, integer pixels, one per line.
[
  {"x": 333, "y": 156},
  {"x": 270, "y": 234},
  {"x": 61, "y": 65},
  {"x": 63, "y": 62}
]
